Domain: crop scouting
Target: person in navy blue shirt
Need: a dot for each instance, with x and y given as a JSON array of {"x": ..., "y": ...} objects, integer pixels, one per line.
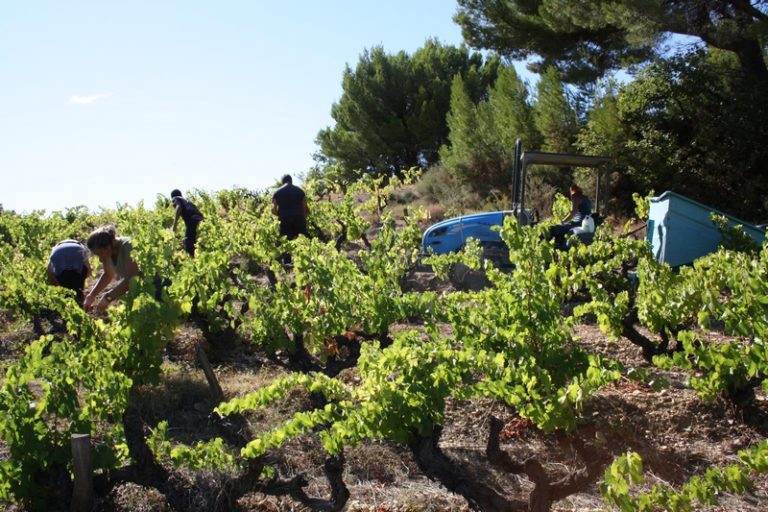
[
  {"x": 68, "y": 266},
  {"x": 290, "y": 204},
  {"x": 578, "y": 220},
  {"x": 191, "y": 217},
  {"x": 581, "y": 207}
]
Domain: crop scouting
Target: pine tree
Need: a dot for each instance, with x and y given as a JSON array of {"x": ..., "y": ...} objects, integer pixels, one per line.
[{"x": 585, "y": 39}]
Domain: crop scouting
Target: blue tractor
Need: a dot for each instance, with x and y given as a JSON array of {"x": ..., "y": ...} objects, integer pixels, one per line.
[{"x": 451, "y": 235}]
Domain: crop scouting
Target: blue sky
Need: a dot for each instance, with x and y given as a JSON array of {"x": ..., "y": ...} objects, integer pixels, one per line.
[{"x": 107, "y": 102}]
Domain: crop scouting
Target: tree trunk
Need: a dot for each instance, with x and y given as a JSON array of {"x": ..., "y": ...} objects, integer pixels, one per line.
[
  {"x": 751, "y": 58},
  {"x": 436, "y": 466}
]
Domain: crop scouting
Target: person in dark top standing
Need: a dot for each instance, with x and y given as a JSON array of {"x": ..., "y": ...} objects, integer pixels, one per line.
[
  {"x": 290, "y": 204},
  {"x": 191, "y": 216},
  {"x": 68, "y": 266}
]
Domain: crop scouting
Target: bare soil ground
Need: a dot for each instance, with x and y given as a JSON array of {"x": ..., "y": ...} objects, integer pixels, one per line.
[{"x": 676, "y": 434}]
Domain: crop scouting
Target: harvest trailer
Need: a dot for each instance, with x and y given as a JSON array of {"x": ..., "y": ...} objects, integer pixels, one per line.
[{"x": 681, "y": 230}]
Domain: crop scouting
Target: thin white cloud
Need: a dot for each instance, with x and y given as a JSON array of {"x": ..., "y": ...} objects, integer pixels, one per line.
[{"x": 87, "y": 100}]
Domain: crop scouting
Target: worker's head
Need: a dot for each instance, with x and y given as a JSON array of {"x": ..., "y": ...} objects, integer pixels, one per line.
[
  {"x": 175, "y": 193},
  {"x": 576, "y": 191},
  {"x": 100, "y": 240},
  {"x": 286, "y": 179}
]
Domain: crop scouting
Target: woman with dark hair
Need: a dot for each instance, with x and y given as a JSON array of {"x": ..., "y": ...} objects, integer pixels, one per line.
[{"x": 115, "y": 254}]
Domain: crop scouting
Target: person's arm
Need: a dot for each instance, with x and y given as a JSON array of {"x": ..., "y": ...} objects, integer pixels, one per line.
[
  {"x": 104, "y": 279},
  {"x": 176, "y": 218},
  {"x": 121, "y": 288},
  {"x": 51, "y": 275},
  {"x": 575, "y": 203},
  {"x": 304, "y": 207},
  {"x": 274, "y": 206}
]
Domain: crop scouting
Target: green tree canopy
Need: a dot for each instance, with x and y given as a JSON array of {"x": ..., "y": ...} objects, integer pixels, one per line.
[
  {"x": 554, "y": 115},
  {"x": 693, "y": 124},
  {"x": 482, "y": 135},
  {"x": 392, "y": 113},
  {"x": 583, "y": 39}
]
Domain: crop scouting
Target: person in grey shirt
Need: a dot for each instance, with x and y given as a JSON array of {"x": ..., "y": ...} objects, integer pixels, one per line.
[
  {"x": 68, "y": 266},
  {"x": 119, "y": 267}
]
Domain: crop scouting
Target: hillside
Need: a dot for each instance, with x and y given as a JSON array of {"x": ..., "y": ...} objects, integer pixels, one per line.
[
  {"x": 659, "y": 416},
  {"x": 675, "y": 432}
]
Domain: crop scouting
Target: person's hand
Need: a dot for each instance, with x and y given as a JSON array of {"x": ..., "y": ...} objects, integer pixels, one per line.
[
  {"x": 102, "y": 305},
  {"x": 88, "y": 302}
]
